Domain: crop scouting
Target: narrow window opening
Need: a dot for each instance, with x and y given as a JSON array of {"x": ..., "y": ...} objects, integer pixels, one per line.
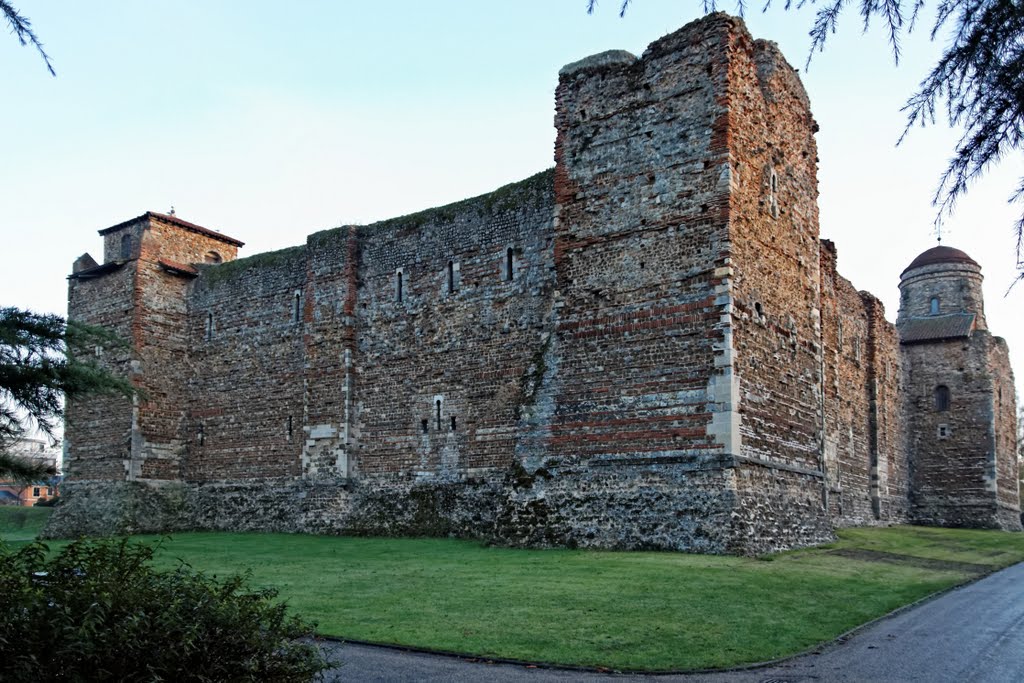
[
  {"x": 423, "y": 425},
  {"x": 437, "y": 405},
  {"x": 289, "y": 429},
  {"x": 759, "y": 309},
  {"x": 941, "y": 398},
  {"x": 508, "y": 264},
  {"x": 209, "y": 326},
  {"x": 943, "y": 431},
  {"x": 935, "y": 305},
  {"x": 202, "y": 435},
  {"x": 398, "y": 286},
  {"x": 296, "y": 307},
  {"x": 126, "y": 247},
  {"x": 453, "y": 423},
  {"x": 774, "y": 181},
  {"x": 451, "y": 277}
]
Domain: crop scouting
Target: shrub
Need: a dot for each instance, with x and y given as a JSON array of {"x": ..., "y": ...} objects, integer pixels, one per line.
[
  {"x": 47, "y": 502},
  {"x": 98, "y": 611}
]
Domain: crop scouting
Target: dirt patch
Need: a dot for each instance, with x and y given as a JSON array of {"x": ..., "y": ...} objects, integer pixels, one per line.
[{"x": 910, "y": 560}]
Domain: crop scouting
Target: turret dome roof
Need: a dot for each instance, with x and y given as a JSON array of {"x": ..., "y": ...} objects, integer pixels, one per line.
[{"x": 940, "y": 254}]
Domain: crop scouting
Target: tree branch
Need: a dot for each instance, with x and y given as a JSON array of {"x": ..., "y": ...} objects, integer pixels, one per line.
[{"x": 22, "y": 28}]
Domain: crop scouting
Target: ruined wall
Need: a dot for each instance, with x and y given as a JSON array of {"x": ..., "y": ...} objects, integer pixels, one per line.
[
  {"x": 160, "y": 338},
  {"x": 625, "y": 454},
  {"x": 98, "y": 429},
  {"x": 846, "y": 399},
  {"x": 441, "y": 368},
  {"x": 772, "y": 173},
  {"x": 1007, "y": 469},
  {"x": 246, "y": 383},
  {"x": 326, "y": 307},
  {"x": 890, "y": 478},
  {"x": 953, "y": 449},
  {"x": 865, "y": 461}
]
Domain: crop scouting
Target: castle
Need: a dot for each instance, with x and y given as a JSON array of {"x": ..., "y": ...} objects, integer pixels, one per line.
[{"x": 646, "y": 347}]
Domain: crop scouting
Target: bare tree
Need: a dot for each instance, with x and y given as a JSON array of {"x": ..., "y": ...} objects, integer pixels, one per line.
[
  {"x": 977, "y": 84},
  {"x": 22, "y": 28}
]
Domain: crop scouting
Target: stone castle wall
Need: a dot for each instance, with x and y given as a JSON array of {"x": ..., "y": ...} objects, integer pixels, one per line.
[
  {"x": 866, "y": 466},
  {"x": 647, "y": 347}
]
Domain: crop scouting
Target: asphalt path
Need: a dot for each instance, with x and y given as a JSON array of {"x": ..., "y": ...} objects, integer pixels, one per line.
[{"x": 971, "y": 634}]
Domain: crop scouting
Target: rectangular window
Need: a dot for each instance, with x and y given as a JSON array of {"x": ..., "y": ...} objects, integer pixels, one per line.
[
  {"x": 35, "y": 491},
  {"x": 509, "y": 274}
]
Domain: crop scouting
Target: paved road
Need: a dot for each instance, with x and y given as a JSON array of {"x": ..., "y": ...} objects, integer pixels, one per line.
[{"x": 972, "y": 634}]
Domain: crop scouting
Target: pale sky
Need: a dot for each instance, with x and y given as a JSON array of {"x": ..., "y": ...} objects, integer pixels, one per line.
[{"x": 268, "y": 121}]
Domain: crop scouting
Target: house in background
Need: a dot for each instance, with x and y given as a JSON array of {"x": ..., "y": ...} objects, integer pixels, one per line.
[{"x": 14, "y": 493}]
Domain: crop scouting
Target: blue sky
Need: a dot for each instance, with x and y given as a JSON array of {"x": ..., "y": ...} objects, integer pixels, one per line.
[{"x": 268, "y": 121}]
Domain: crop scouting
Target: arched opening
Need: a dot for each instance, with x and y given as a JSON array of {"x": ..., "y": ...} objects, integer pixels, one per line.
[
  {"x": 398, "y": 286},
  {"x": 212, "y": 257},
  {"x": 933, "y": 308},
  {"x": 941, "y": 397},
  {"x": 451, "y": 277}
]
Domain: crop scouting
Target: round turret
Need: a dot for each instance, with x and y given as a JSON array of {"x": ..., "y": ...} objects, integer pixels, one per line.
[{"x": 941, "y": 281}]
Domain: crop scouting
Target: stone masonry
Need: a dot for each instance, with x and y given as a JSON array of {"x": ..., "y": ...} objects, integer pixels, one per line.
[{"x": 646, "y": 347}]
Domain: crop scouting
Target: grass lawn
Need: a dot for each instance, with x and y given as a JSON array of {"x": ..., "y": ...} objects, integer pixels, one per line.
[
  {"x": 613, "y": 609},
  {"x": 21, "y": 524}
]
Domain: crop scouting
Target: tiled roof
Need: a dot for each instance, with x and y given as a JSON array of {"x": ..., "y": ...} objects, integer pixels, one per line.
[
  {"x": 175, "y": 267},
  {"x": 97, "y": 270},
  {"x": 174, "y": 220},
  {"x": 936, "y": 327}
]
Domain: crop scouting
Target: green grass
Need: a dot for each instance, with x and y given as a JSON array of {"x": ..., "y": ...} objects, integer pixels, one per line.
[
  {"x": 652, "y": 611},
  {"x": 21, "y": 524}
]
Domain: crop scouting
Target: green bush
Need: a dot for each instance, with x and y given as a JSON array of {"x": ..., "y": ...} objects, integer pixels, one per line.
[
  {"x": 47, "y": 502},
  {"x": 98, "y": 611}
]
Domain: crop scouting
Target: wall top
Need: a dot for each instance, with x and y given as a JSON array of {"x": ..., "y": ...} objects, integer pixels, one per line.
[{"x": 608, "y": 58}]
